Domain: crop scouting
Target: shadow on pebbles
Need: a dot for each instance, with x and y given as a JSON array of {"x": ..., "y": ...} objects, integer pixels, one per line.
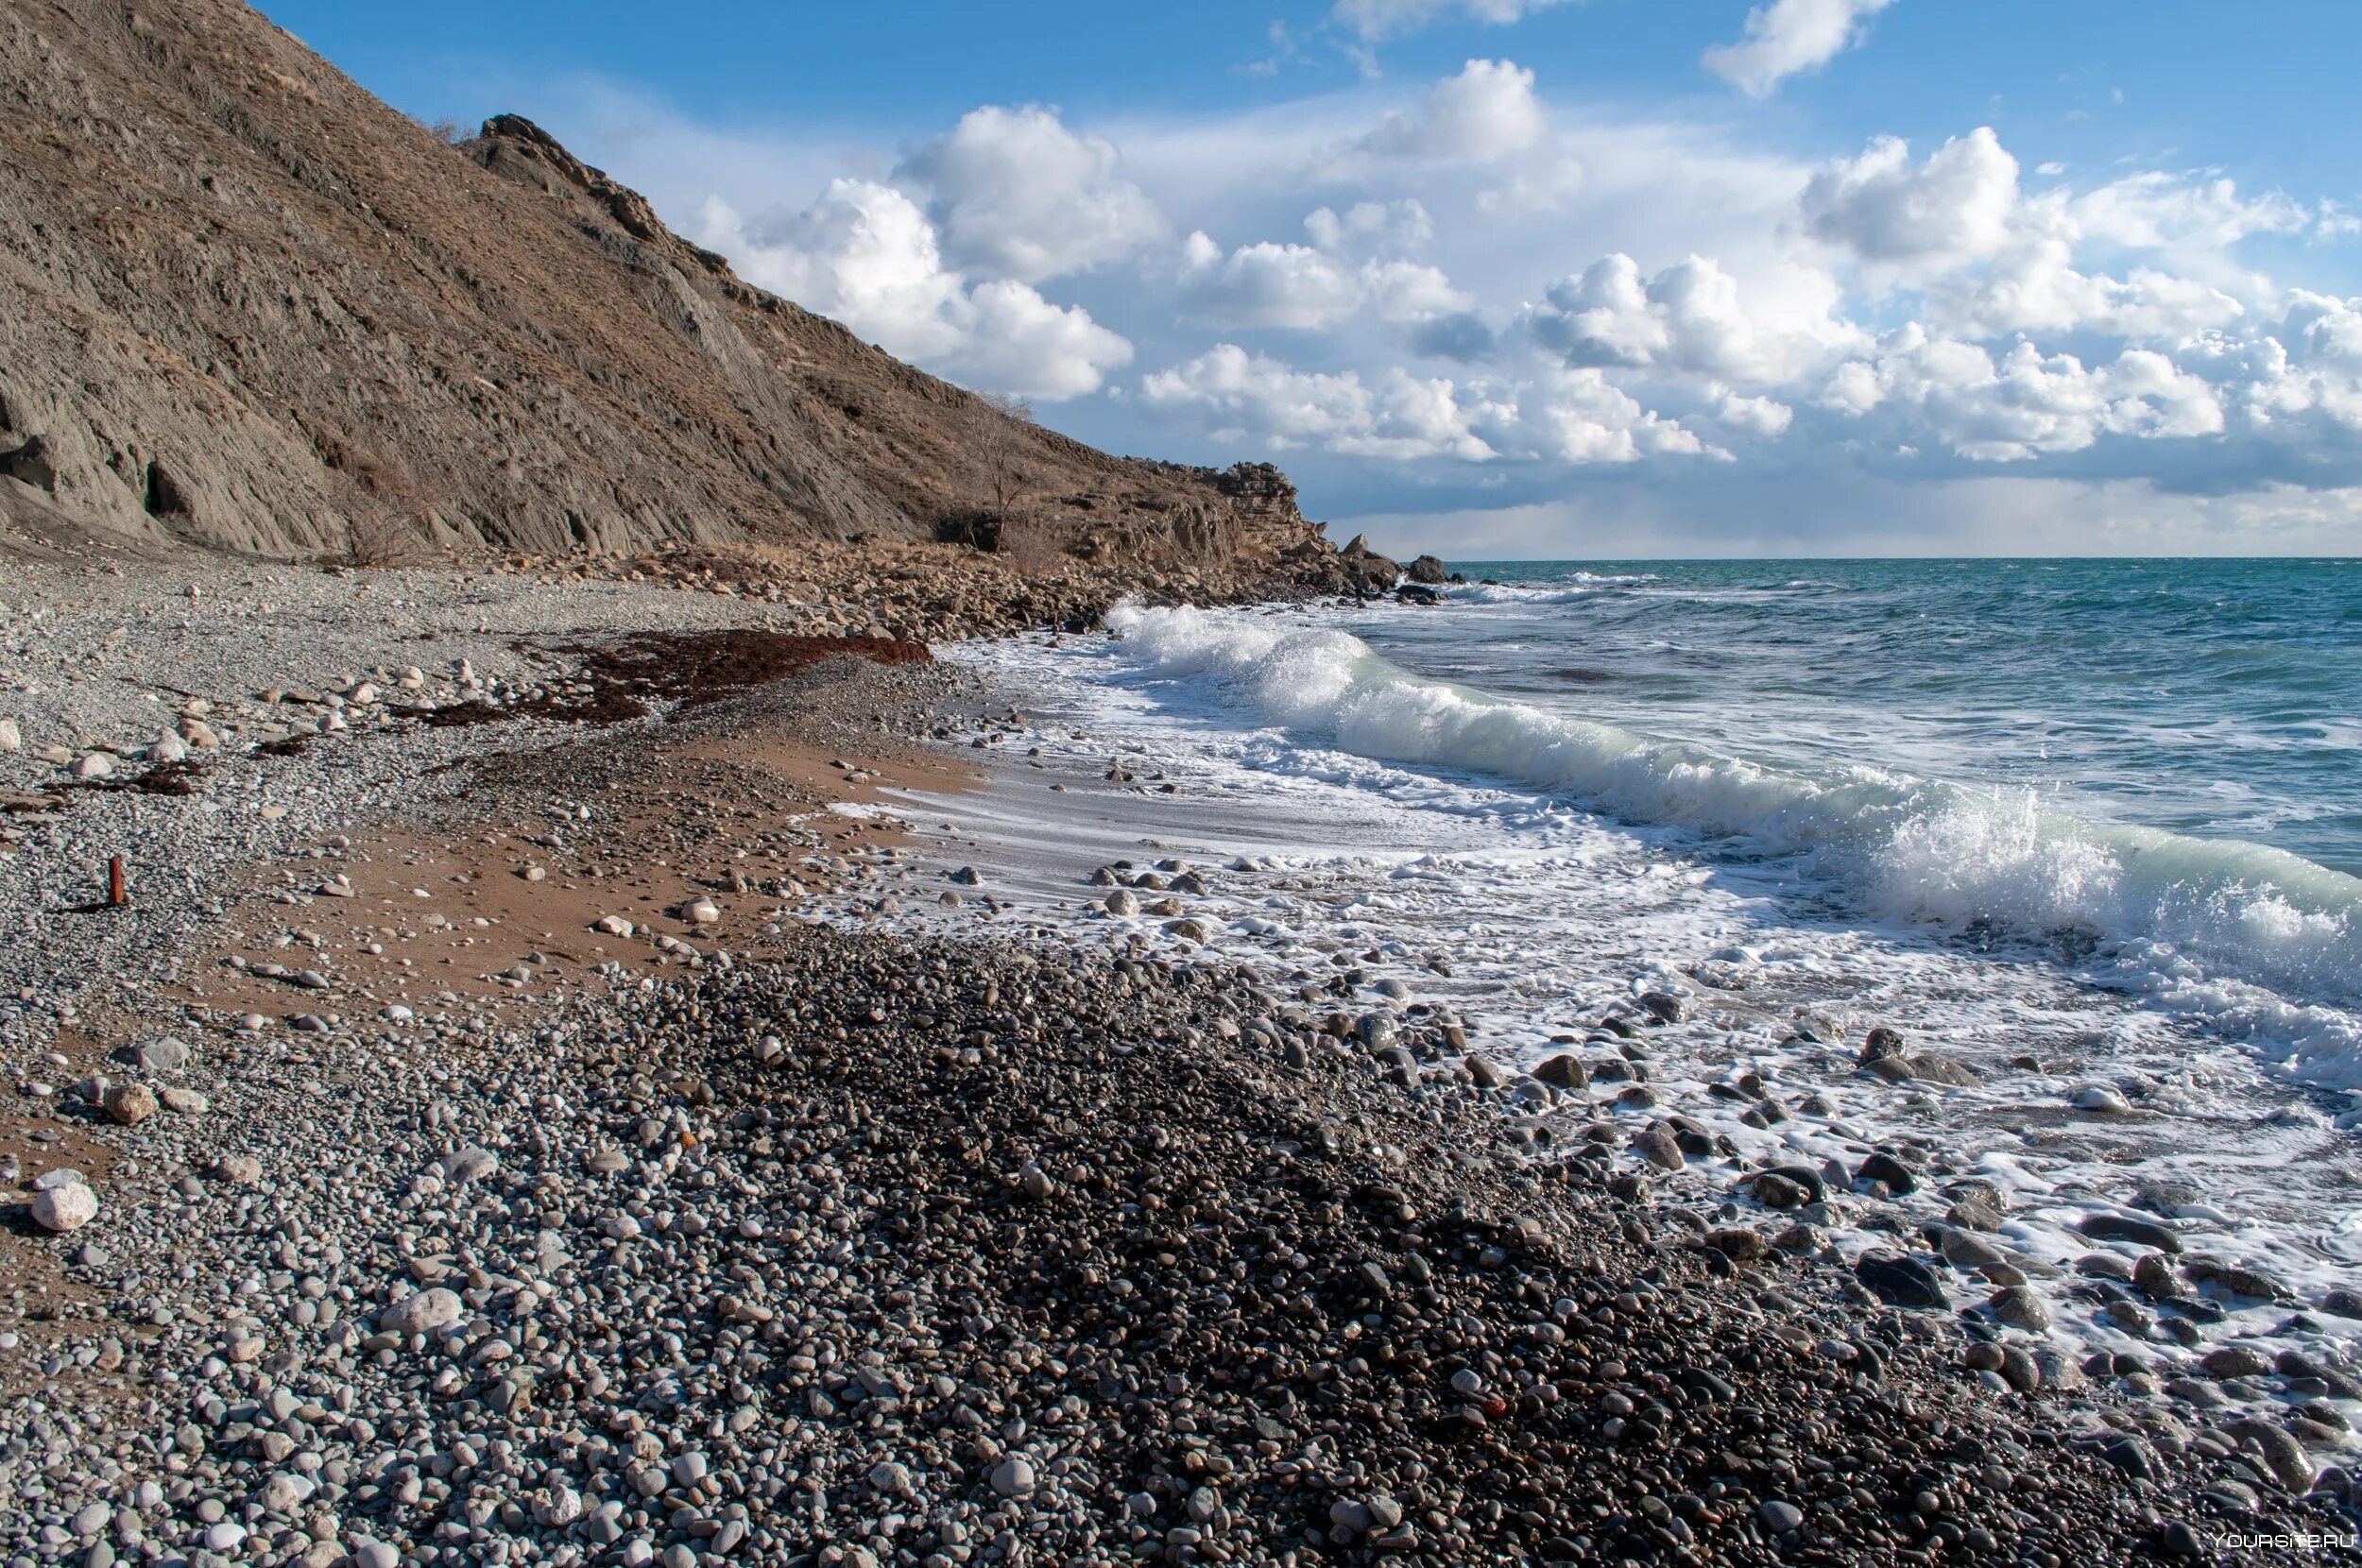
[{"x": 923, "y": 1253}]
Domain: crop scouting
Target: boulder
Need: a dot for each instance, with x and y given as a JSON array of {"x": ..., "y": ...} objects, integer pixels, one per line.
[
  {"x": 1738, "y": 1243},
  {"x": 68, "y": 1207},
  {"x": 2236, "y": 1278},
  {"x": 1657, "y": 1144},
  {"x": 1663, "y": 1007},
  {"x": 127, "y": 1104},
  {"x": 2154, "y": 1277},
  {"x": 2285, "y": 1456},
  {"x": 2020, "y": 1308},
  {"x": 1974, "y": 1213},
  {"x": 1929, "y": 1067},
  {"x": 1901, "y": 1066},
  {"x": 423, "y": 1312},
  {"x": 1898, "y": 1177},
  {"x": 1879, "y": 1044},
  {"x": 1900, "y": 1281},
  {"x": 2127, "y": 1227},
  {"x": 162, "y": 1055},
  {"x": 1564, "y": 1071},
  {"x": 2236, "y": 1361},
  {"x": 1796, "y": 1174}
]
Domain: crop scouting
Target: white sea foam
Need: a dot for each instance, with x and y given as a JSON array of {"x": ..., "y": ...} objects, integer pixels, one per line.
[
  {"x": 1566, "y": 591},
  {"x": 2268, "y": 940}
]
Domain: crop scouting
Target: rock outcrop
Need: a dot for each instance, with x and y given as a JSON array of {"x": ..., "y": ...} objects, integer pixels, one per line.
[{"x": 246, "y": 305}]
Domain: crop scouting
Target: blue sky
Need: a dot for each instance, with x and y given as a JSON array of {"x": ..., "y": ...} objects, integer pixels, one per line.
[{"x": 1541, "y": 277}]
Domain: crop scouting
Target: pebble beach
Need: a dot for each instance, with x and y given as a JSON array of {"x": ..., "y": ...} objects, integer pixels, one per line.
[{"x": 515, "y": 1115}]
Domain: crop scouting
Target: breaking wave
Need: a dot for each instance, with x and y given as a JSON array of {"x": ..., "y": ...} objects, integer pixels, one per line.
[{"x": 2209, "y": 919}]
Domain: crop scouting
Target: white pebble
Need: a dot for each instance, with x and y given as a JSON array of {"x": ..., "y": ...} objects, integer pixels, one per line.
[{"x": 67, "y": 1207}]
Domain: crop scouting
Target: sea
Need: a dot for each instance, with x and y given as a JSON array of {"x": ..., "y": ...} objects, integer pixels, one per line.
[{"x": 2091, "y": 829}]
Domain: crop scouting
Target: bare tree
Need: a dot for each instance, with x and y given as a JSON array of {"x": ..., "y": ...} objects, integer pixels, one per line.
[
  {"x": 1000, "y": 423},
  {"x": 1003, "y": 437}
]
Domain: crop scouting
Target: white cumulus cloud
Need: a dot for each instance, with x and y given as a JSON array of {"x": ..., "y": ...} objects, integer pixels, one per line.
[
  {"x": 1377, "y": 227},
  {"x": 1487, "y": 113},
  {"x": 1992, "y": 259},
  {"x": 2160, "y": 210},
  {"x": 1015, "y": 194},
  {"x": 1789, "y": 36},
  {"x": 1956, "y": 207},
  {"x": 1399, "y": 415},
  {"x": 1559, "y": 415},
  {"x": 1579, "y": 415},
  {"x": 1691, "y": 317},
  {"x": 866, "y": 254},
  {"x": 1270, "y": 285},
  {"x": 2035, "y": 287},
  {"x": 2027, "y": 402},
  {"x": 1751, "y": 416},
  {"x": 1497, "y": 274},
  {"x": 2299, "y": 377},
  {"x": 1315, "y": 287}
]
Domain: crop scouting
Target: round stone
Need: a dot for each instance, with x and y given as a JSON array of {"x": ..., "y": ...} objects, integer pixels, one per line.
[
  {"x": 68, "y": 1207},
  {"x": 1013, "y": 1476},
  {"x": 421, "y": 1313}
]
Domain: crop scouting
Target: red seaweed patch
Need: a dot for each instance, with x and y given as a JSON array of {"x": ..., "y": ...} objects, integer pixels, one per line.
[{"x": 695, "y": 669}]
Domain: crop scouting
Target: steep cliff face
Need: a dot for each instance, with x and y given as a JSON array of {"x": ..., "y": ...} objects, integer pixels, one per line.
[{"x": 245, "y": 304}]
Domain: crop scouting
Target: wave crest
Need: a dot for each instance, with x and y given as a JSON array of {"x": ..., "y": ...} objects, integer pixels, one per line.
[{"x": 1900, "y": 846}]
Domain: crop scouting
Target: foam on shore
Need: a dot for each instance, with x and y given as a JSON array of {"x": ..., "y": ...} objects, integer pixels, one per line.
[{"x": 2212, "y": 920}]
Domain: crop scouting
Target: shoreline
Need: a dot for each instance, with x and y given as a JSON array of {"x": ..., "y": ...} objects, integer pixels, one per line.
[
  {"x": 929, "y": 1097},
  {"x": 1807, "y": 1031}
]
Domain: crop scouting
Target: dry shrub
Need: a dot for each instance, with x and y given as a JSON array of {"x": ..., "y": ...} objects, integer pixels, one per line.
[{"x": 379, "y": 535}]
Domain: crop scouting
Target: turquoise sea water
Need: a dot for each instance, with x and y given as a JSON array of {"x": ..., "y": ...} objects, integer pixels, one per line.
[{"x": 2212, "y": 699}]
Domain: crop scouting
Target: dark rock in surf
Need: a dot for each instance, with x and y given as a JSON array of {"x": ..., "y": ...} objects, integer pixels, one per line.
[{"x": 1901, "y": 1281}]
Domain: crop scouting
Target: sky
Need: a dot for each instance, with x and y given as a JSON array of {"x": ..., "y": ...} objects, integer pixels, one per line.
[{"x": 1524, "y": 279}]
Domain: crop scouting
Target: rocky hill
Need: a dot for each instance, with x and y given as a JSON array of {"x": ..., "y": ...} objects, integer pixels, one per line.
[{"x": 246, "y": 305}]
